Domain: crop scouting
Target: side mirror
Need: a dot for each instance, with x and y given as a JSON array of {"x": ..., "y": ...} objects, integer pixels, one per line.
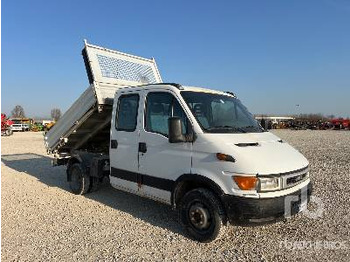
[{"x": 175, "y": 130}]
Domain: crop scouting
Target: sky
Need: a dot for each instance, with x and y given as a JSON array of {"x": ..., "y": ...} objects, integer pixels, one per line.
[{"x": 274, "y": 55}]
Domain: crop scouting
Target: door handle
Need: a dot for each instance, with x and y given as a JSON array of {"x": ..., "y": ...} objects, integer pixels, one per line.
[
  {"x": 142, "y": 147},
  {"x": 114, "y": 144}
]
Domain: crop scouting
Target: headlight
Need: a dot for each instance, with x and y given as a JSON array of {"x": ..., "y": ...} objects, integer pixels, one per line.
[{"x": 269, "y": 183}]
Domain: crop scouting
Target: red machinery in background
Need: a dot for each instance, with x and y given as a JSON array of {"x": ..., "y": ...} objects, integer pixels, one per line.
[
  {"x": 6, "y": 126},
  {"x": 340, "y": 123}
]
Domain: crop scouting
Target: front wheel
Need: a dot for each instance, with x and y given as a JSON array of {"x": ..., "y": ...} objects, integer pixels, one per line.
[
  {"x": 202, "y": 215},
  {"x": 79, "y": 181}
]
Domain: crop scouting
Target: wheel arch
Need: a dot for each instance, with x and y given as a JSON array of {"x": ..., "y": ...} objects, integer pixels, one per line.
[
  {"x": 187, "y": 182},
  {"x": 73, "y": 160}
]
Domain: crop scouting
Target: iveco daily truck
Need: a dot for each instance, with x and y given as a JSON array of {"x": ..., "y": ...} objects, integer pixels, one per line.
[{"x": 198, "y": 150}]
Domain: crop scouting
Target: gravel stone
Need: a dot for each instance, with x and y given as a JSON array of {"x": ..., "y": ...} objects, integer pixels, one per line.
[{"x": 42, "y": 220}]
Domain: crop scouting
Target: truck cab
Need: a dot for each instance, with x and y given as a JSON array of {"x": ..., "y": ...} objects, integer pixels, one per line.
[
  {"x": 170, "y": 143},
  {"x": 198, "y": 150}
]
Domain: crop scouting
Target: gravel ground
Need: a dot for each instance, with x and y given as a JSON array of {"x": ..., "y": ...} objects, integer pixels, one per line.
[{"x": 42, "y": 220}]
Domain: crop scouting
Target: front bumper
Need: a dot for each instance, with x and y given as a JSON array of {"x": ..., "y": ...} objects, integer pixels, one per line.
[{"x": 263, "y": 209}]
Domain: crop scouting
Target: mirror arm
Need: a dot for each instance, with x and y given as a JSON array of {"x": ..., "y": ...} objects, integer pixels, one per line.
[{"x": 191, "y": 137}]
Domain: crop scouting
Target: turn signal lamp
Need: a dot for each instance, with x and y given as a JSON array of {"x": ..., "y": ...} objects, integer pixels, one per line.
[
  {"x": 246, "y": 182},
  {"x": 224, "y": 157}
]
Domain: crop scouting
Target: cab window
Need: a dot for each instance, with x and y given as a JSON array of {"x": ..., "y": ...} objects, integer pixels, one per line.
[
  {"x": 159, "y": 107},
  {"x": 126, "y": 117}
]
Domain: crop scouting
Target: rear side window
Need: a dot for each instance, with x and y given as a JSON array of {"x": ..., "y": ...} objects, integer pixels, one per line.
[
  {"x": 160, "y": 106},
  {"x": 126, "y": 117}
]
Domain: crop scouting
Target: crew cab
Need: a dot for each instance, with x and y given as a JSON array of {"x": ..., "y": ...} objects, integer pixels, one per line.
[{"x": 198, "y": 150}]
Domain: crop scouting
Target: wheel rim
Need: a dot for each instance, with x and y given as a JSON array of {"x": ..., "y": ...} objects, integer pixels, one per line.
[
  {"x": 76, "y": 179},
  {"x": 199, "y": 216}
]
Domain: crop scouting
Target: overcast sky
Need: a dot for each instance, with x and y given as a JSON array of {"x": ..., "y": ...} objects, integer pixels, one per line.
[{"x": 272, "y": 54}]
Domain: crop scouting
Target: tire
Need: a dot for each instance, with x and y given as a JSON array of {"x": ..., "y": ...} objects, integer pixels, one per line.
[
  {"x": 94, "y": 184},
  {"x": 79, "y": 181},
  {"x": 202, "y": 215}
]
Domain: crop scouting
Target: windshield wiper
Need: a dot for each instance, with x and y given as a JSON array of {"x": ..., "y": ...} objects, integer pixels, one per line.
[
  {"x": 233, "y": 128},
  {"x": 255, "y": 127}
]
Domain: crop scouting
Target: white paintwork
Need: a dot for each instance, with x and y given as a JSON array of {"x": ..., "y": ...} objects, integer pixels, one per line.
[
  {"x": 106, "y": 85},
  {"x": 17, "y": 127},
  {"x": 125, "y": 156},
  {"x": 149, "y": 192},
  {"x": 170, "y": 161},
  {"x": 124, "y": 185},
  {"x": 162, "y": 159},
  {"x": 156, "y": 194},
  {"x": 269, "y": 157}
]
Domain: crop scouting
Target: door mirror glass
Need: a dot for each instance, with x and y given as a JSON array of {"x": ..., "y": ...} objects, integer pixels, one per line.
[{"x": 175, "y": 130}]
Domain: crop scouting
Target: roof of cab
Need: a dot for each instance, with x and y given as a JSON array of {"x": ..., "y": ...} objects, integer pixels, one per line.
[
  {"x": 183, "y": 88},
  {"x": 204, "y": 90}
]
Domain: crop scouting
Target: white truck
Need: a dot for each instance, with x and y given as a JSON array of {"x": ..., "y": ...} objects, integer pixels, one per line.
[
  {"x": 196, "y": 149},
  {"x": 20, "y": 127}
]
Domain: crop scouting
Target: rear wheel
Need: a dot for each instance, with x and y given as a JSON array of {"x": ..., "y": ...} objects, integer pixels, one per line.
[
  {"x": 202, "y": 215},
  {"x": 79, "y": 181}
]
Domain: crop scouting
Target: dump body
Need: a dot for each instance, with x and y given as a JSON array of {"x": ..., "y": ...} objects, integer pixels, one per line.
[{"x": 86, "y": 123}]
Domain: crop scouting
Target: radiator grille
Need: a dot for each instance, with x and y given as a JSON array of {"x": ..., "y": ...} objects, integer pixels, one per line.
[{"x": 293, "y": 178}]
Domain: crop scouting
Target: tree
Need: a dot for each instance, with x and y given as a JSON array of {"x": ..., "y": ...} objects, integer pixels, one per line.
[
  {"x": 18, "y": 112},
  {"x": 55, "y": 114}
]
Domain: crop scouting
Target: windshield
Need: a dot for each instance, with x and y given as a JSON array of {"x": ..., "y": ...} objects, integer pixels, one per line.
[{"x": 220, "y": 113}]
